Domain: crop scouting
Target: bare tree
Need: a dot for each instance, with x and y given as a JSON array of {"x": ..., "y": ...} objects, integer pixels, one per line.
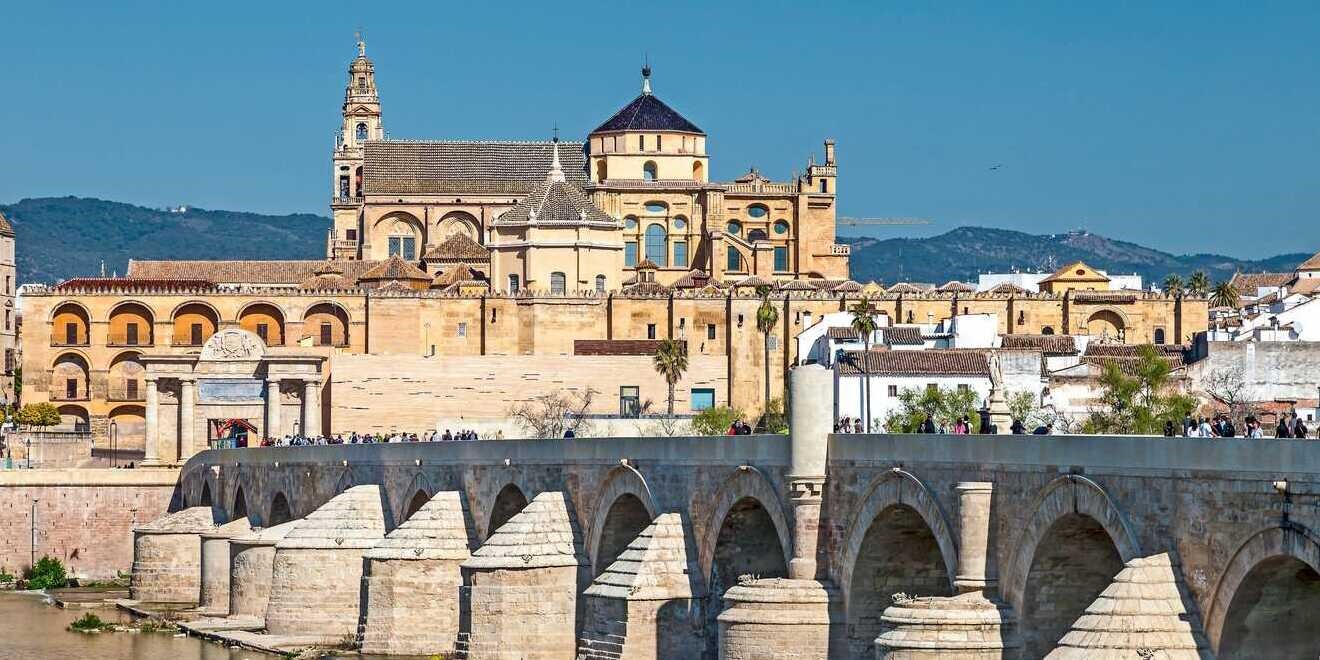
[
  {"x": 554, "y": 414},
  {"x": 1227, "y": 387}
]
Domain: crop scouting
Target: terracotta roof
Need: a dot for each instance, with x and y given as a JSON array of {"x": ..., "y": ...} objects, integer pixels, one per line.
[
  {"x": 1047, "y": 344},
  {"x": 326, "y": 281},
  {"x": 6, "y": 229},
  {"x": 288, "y": 273},
  {"x": 395, "y": 286},
  {"x": 954, "y": 286},
  {"x": 646, "y": 264},
  {"x": 842, "y": 334},
  {"x": 394, "y": 268},
  {"x": 555, "y": 202},
  {"x": 1311, "y": 264},
  {"x": 392, "y": 166},
  {"x": 1248, "y": 283},
  {"x": 915, "y": 363},
  {"x": 457, "y": 247},
  {"x": 847, "y": 286},
  {"x": 130, "y": 284},
  {"x": 693, "y": 279},
  {"x": 647, "y": 113},
  {"x": 1007, "y": 288},
  {"x": 796, "y": 285},
  {"x": 454, "y": 275},
  {"x": 902, "y": 335},
  {"x": 650, "y": 288},
  {"x": 1305, "y": 285},
  {"x": 905, "y": 287}
]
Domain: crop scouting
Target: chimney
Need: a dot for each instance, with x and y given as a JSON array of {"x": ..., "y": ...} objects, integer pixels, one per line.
[{"x": 829, "y": 151}]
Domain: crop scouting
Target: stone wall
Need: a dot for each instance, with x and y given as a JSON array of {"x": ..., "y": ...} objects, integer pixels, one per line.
[
  {"x": 83, "y": 517},
  {"x": 1271, "y": 370}
]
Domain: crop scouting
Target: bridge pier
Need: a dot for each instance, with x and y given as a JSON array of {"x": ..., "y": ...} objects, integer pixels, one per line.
[
  {"x": 251, "y": 567},
  {"x": 214, "y": 600},
  {"x": 167, "y": 557}
]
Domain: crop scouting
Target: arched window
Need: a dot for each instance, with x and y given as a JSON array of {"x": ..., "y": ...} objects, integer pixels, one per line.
[
  {"x": 602, "y": 172},
  {"x": 557, "y": 283},
  {"x": 756, "y": 235},
  {"x": 361, "y": 132},
  {"x": 1159, "y": 335},
  {"x": 657, "y": 247},
  {"x": 649, "y": 171},
  {"x": 600, "y": 284},
  {"x": 698, "y": 172},
  {"x": 735, "y": 261},
  {"x": 824, "y": 185},
  {"x": 1047, "y": 330}
]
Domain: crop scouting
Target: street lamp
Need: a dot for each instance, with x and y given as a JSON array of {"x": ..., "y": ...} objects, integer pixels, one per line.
[{"x": 114, "y": 437}]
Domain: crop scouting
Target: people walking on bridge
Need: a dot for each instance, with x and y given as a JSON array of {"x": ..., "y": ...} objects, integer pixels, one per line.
[
  {"x": 1299, "y": 427},
  {"x": 1284, "y": 429}
]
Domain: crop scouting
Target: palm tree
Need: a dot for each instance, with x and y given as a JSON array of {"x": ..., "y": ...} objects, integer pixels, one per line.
[
  {"x": 1224, "y": 295},
  {"x": 671, "y": 361},
  {"x": 767, "y": 315},
  {"x": 1173, "y": 284},
  {"x": 863, "y": 323},
  {"x": 1198, "y": 284}
]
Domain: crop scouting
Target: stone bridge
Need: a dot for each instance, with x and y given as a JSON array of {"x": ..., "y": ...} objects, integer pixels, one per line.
[{"x": 810, "y": 546}]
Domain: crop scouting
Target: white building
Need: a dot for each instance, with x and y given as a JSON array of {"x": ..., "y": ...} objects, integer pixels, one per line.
[
  {"x": 1031, "y": 281},
  {"x": 891, "y": 372}
]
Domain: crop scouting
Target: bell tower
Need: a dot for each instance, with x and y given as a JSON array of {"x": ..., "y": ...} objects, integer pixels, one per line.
[{"x": 361, "y": 122}]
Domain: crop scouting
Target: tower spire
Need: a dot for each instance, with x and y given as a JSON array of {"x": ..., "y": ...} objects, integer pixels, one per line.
[
  {"x": 556, "y": 173},
  {"x": 646, "y": 74}
]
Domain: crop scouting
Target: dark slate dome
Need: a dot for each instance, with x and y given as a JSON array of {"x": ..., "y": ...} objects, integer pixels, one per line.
[{"x": 648, "y": 113}]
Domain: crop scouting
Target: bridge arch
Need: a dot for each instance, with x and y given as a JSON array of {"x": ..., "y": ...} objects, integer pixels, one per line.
[
  {"x": 1273, "y": 565},
  {"x": 239, "y": 507},
  {"x": 507, "y": 503},
  {"x": 746, "y": 483},
  {"x": 1074, "y": 543},
  {"x": 279, "y": 511},
  {"x": 406, "y": 502},
  {"x": 623, "y": 509}
]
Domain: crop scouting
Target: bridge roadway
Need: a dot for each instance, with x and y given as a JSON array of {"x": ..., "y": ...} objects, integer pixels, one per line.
[{"x": 1040, "y": 525}]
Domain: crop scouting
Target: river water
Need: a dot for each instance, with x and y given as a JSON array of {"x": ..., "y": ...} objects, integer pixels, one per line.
[{"x": 31, "y": 630}]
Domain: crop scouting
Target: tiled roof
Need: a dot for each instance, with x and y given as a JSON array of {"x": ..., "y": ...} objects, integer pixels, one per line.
[
  {"x": 394, "y": 268},
  {"x": 954, "y": 286},
  {"x": 646, "y": 264},
  {"x": 458, "y": 247},
  {"x": 326, "y": 281},
  {"x": 905, "y": 287},
  {"x": 555, "y": 202},
  {"x": 648, "y": 287},
  {"x": 648, "y": 113},
  {"x": 841, "y": 334},
  {"x": 1311, "y": 264},
  {"x": 915, "y": 363},
  {"x": 1248, "y": 283},
  {"x": 1305, "y": 285},
  {"x": 1128, "y": 365},
  {"x": 1005, "y": 288},
  {"x": 847, "y": 286},
  {"x": 693, "y": 279},
  {"x": 753, "y": 281},
  {"x": 796, "y": 285},
  {"x": 6, "y": 229},
  {"x": 243, "y": 272},
  {"x": 130, "y": 284},
  {"x": 902, "y": 335},
  {"x": 479, "y": 167},
  {"x": 454, "y": 275},
  {"x": 1048, "y": 344}
]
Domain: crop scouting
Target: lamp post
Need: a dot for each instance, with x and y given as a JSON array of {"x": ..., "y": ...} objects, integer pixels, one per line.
[
  {"x": 32, "y": 562},
  {"x": 28, "y": 443},
  {"x": 114, "y": 437}
]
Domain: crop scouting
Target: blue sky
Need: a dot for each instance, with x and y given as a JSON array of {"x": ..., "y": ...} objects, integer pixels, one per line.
[{"x": 1188, "y": 126}]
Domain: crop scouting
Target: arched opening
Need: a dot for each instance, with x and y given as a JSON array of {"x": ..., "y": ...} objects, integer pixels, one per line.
[
  {"x": 757, "y": 235},
  {"x": 748, "y": 544},
  {"x": 128, "y": 428},
  {"x": 558, "y": 283},
  {"x": 1159, "y": 336},
  {"x": 657, "y": 246},
  {"x": 898, "y": 554},
  {"x": 402, "y": 236},
  {"x": 698, "y": 171},
  {"x": 626, "y": 519},
  {"x": 361, "y": 129},
  {"x": 206, "y": 494},
  {"x": 1106, "y": 324},
  {"x": 194, "y": 323},
  {"x": 1047, "y": 330},
  {"x": 419, "y": 500},
  {"x": 457, "y": 222},
  {"x": 507, "y": 505},
  {"x": 1275, "y": 612},
  {"x": 279, "y": 511},
  {"x": 126, "y": 378},
  {"x": 326, "y": 324},
  {"x": 74, "y": 418},
  {"x": 265, "y": 321},
  {"x": 240, "y": 505},
  {"x": 602, "y": 171},
  {"x": 69, "y": 326},
  {"x": 131, "y": 325},
  {"x": 1073, "y": 563},
  {"x": 600, "y": 284},
  {"x": 70, "y": 378},
  {"x": 649, "y": 171}
]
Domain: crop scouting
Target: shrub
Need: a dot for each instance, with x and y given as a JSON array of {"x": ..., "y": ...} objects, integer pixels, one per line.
[
  {"x": 715, "y": 421},
  {"x": 47, "y": 574},
  {"x": 90, "y": 623},
  {"x": 6, "y": 577},
  {"x": 774, "y": 420}
]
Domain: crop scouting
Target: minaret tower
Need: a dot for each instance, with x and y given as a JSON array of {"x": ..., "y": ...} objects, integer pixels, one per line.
[{"x": 362, "y": 122}]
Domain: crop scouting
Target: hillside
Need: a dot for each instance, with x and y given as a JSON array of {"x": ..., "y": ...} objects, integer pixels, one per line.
[
  {"x": 61, "y": 237},
  {"x": 966, "y": 251}
]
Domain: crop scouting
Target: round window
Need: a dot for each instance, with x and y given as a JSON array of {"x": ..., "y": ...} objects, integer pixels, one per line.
[
  {"x": 630, "y": 222},
  {"x": 680, "y": 223},
  {"x": 757, "y": 211},
  {"x": 735, "y": 227},
  {"x": 1081, "y": 271},
  {"x": 656, "y": 207},
  {"x": 781, "y": 226}
]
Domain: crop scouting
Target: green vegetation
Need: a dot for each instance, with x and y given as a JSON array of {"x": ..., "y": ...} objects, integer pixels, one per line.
[
  {"x": 767, "y": 315},
  {"x": 671, "y": 361},
  {"x": 48, "y": 573},
  {"x": 1138, "y": 400},
  {"x": 1224, "y": 295},
  {"x": 864, "y": 324},
  {"x": 775, "y": 419},
  {"x": 1198, "y": 284},
  {"x": 6, "y": 577},
  {"x": 38, "y": 414},
  {"x": 156, "y": 624},
  {"x": 942, "y": 404},
  {"x": 1022, "y": 406},
  {"x": 90, "y": 623},
  {"x": 715, "y": 421}
]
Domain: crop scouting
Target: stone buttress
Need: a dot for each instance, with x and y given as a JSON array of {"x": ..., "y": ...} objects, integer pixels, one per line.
[
  {"x": 522, "y": 586},
  {"x": 647, "y": 604},
  {"x": 215, "y": 566},
  {"x": 1146, "y": 611},
  {"x": 316, "y": 579},
  {"x": 167, "y": 557},
  {"x": 251, "y": 563},
  {"x": 413, "y": 581}
]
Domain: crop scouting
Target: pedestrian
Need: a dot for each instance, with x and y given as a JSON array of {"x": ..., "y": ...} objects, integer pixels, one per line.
[
  {"x": 1284, "y": 429},
  {"x": 568, "y": 433},
  {"x": 1299, "y": 428},
  {"x": 1018, "y": 428},
  {"x": 857, "y": 425},
  {"x": 1204, "y": 429},
  {"x": 928, "y": 426},
  {"x": 1168, "y": 428}
]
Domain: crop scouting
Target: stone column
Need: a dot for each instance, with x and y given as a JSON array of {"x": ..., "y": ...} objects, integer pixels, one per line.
[
  {"x": 152, "y": 424},
  {"x": 187, "y": 423},
  {"x": 976, "y": 572},
  {"x": 811, "y": 420},
  {"x": 272, "y": 408},
  {"x": 311, "y": 408}
]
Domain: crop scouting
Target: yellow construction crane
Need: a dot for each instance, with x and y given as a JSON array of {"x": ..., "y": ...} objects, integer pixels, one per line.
[{"x": 891, "y": 222}]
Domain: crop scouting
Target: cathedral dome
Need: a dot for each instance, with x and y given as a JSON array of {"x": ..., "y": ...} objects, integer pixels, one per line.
[{"x": 647, "y": 113}]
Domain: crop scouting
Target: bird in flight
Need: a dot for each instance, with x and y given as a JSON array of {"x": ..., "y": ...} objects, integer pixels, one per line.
[{"x": 995, "y": 166}]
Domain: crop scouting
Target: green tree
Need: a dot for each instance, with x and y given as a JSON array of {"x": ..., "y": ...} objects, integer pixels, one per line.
[
  {"x": 1173, "y": 284},
  {"x": 1198, "y": 284},
  {"x": 1224, "y": 295},
  {"x": 1022, "y": 406},
  {"x": 1137, "y": 401},
  {"x": 671, "y": 361},
  {"x": 945, "y": 406},
  {"x": 715, "y": 421},
  {"x": 767, "y": 315},
  {"x": 863, "y": 323},
  {"x": 39, "y": 415}
]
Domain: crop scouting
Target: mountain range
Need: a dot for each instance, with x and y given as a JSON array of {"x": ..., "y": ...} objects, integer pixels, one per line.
[{"x": 62, "y": 237}]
